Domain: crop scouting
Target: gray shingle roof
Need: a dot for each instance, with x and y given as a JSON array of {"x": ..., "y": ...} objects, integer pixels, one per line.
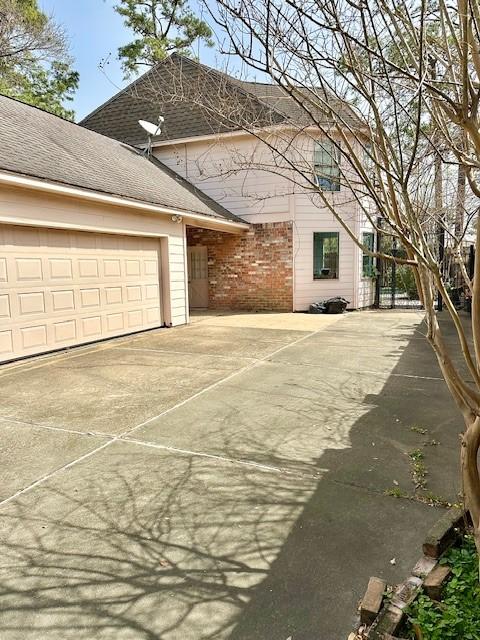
[
  {"x": 279, "y": 100},
  {"x": 196, "y": 100},
  {"x": 38, "y": 144},
  {"x": 190, "y": 97}
]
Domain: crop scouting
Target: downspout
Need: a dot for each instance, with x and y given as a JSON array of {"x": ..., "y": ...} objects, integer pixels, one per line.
[
  {"x": 356, "y": 259},
  {"x": 294, "y": 250}
]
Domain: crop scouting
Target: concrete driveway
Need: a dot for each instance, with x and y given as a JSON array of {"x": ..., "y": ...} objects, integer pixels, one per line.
[{"x": 223, "y": 480}]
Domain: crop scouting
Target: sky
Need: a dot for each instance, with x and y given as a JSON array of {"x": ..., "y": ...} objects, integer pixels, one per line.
[{"x": 96, "y": 31}]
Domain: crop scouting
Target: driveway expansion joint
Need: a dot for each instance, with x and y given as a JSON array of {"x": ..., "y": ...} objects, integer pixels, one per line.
[{"x": 123, "y": 436}]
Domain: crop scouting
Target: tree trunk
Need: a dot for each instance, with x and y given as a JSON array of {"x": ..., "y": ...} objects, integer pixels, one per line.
[{"x": 470, "y": 474}]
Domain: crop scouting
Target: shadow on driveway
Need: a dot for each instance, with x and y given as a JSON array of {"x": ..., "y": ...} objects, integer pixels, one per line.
[{"x": 135, "y": 543}]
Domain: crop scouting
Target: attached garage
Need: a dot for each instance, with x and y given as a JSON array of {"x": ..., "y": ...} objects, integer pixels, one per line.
[
  {"x": 92, "y": 235},
  {"x": 61, "y": 288}
]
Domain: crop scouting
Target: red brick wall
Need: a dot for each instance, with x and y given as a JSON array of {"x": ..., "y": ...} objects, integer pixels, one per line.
[{"x": 252, "y": 271}]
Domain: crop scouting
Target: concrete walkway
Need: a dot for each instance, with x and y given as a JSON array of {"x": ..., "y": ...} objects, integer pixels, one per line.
[{"x": 223, "y": 480}]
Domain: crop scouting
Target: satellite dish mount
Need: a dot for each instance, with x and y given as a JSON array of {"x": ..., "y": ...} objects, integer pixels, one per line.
[{"x": 152, "y": 130}]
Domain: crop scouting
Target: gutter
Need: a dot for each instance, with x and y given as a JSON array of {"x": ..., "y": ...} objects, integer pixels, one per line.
[{"x": 15, "y": 180}]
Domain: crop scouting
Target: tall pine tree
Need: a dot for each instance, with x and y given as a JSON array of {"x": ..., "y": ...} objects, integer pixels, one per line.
[
  {"x": 161, "y": 27},
  {"x": 35, "y": 66}
]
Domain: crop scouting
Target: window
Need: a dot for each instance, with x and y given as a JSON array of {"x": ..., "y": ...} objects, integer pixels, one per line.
[
  {"x": 368, "y": 261},
  {"x": 326, "y": 163},
  {"x": 325, "y": 255}
]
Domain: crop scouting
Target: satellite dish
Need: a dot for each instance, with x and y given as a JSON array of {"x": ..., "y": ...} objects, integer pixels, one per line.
[{"x": 150, "y": 128}]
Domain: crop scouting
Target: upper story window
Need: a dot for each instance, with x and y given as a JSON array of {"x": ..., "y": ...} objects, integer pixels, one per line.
[
  {"x": 326, "y": 165},
  {"x": 325, "y": 255}
]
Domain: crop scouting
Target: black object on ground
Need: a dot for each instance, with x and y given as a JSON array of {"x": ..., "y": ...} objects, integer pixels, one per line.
[{"x": 332, "y": 305}]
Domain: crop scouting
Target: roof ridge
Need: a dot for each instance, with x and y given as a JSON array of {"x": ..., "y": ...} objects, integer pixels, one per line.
[
  {"x": 34, "y": 106},
  {"x": 183, "y": 59},
  {"x": 231, "y": 79},
  {"x": 119, "y": 93}
]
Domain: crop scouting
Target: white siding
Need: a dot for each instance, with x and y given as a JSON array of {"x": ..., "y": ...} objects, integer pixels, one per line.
[
  {"x": 223, "y": 170},
  {"x": 366, "y": 286},
  {"x": 229, "y": 171},
  {"x": 309, "y": 219}
]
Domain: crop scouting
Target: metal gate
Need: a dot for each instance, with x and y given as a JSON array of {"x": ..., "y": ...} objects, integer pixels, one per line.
[{"x": 396, "y": 287}]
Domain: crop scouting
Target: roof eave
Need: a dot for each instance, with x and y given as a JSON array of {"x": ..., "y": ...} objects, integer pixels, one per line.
[
  {"x": 38, "y": 184},
  {"x": 363, "y": 131}
]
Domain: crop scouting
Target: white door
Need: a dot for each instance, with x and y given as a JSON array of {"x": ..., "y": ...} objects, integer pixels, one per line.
[
  {"x": 62, "y": 288},
  {"x": 198, "y": 277}
]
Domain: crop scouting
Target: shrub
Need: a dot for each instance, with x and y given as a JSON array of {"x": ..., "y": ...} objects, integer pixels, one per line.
[{"x": 457, "y": 616}]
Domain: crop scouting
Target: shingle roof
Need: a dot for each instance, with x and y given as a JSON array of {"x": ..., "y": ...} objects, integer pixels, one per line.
[
  {"x": 187, "y": 94},
  {"x": 196, "y": 100},
  {"x": 38, "y": 144},
  {"x": 279, "y": 100}
]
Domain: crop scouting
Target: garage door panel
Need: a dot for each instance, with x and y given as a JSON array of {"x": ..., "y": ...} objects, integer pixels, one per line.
[
  {"x": 60, "y": 269},
  {"x": 63, "y": 300},
  {"x": 3, "y": 269},
  {"x": 112, "y": 268},
  {"x": 5, "y": 306},
  {"x": 6, "y": 343},
  {"x": 88, "y": 268},
  {"x": 28, "y": 269},
  {"x": 113, "y": 295},
  {"x": 49, "y": 299}
]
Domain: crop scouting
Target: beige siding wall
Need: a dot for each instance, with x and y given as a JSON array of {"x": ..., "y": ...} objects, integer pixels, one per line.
[{"x": 33, "y": 208}]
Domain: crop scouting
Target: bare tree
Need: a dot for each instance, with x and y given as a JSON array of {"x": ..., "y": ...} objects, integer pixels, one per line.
[
  {"x": 26, "y": 31},
  {"x": 394, "y": 87},
  {"x": 411, "y": 71}
]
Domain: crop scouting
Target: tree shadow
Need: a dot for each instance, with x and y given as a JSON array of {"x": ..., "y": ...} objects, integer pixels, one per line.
[{"x": 133, "y": 544}]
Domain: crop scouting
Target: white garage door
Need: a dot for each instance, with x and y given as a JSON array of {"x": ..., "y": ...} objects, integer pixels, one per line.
[{"x": 61, "y": 288}]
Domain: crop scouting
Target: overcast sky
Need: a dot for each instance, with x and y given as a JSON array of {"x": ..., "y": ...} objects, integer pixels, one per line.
[{"x": 96, "y": 32}]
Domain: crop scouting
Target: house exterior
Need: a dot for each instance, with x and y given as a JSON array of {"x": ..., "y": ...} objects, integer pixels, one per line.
[
  {"x": 92, "y": 235},
  {"x": 295, "y": 252},
  {"x": 101, "y": 237}
]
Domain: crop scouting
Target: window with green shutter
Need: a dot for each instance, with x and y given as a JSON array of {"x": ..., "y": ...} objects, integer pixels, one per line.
[{"x": 325, "y": 255}]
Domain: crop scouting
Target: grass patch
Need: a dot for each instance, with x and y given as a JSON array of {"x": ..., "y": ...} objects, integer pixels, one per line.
[
  {"x": 420, "y": 430},
  {"x": 418, "y": 474},
  {"x": 425, "y": 498},
  {"x": 457, "y": 616},
  {"x": 418, "y": 468},
  {"x": 396, "y": 492}
]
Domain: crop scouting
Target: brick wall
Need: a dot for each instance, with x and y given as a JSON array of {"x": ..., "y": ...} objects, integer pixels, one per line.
[{"x": 252, "y": 271}]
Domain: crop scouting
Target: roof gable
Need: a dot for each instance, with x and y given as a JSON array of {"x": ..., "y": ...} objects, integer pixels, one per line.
[
  {"x": 196, "y": 100},
  {"x": 188, "y": 95}
]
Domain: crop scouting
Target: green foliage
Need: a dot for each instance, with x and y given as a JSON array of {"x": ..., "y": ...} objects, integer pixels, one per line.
[
  {"x": 161, "y": 27},
  {"x": 396, "y": 492},
  {"x": 457, "y": 616},
  {"x": 405, "y": 281},
  {"x": 46, "y": 88},
  {"x": 418, "y": 468},
  {"x": 420, "y": 430},
  {"x": 34, "y": 62}
]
